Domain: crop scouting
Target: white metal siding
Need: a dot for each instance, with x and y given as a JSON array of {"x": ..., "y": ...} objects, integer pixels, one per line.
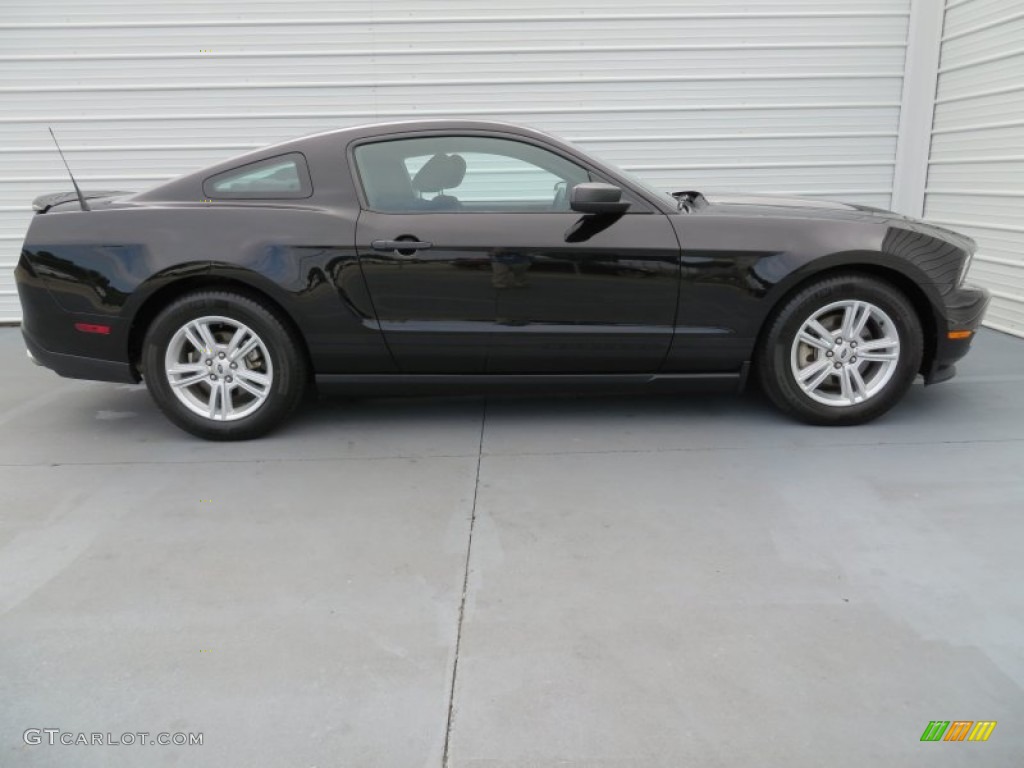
[
  {"x": 795, "y": 96},
  {"x": 976, "y": 166}
]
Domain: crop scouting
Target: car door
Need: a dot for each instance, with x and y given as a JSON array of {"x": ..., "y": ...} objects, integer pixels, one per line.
[{"x": 476, "y": 264}]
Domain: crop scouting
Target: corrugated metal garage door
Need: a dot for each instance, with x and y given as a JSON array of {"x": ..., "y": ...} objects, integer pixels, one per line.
[
  {"x": 976, "y": 168},
  {"x": 798, "y": 96}
]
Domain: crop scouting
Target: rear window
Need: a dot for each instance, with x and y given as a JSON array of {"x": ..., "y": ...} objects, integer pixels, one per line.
[{"x": 281, "y": 177}]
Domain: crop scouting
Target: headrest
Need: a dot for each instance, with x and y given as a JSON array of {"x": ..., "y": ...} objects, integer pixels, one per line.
[{"x": 440, "y": 172}]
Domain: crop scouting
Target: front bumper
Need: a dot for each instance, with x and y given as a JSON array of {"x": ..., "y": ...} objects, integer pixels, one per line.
[{"x": 963, "y": 310}]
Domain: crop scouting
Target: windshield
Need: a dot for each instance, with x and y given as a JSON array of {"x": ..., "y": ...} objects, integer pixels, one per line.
[{"x": 645, "y": 185}]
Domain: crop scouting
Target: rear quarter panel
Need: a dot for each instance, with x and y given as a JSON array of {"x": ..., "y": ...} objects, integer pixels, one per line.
[{"x": 105, "y": 265}]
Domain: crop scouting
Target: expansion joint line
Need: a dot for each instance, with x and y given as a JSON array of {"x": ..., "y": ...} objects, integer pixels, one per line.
[{"x": 465, "y": 589}]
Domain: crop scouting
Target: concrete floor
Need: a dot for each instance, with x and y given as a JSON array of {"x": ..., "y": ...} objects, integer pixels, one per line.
[{"x": 657, "y": 581}]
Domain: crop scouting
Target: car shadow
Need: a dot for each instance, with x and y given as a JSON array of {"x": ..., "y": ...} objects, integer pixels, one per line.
[
  {"x": 114, "y": 405},
  {"x": 122, "y": 423}
]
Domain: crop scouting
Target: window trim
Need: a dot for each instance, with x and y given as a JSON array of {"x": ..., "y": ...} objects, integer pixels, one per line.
[
  {"x": 640, "y": 204},
  {"x": 301, "y": 165}
]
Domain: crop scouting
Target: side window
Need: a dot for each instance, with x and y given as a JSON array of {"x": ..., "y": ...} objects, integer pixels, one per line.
[
  {"x": 464, "y": 173},
  {"x": 282, "y": 177}
]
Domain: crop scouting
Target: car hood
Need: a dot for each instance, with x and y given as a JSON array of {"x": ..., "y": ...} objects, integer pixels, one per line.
[
  {"x": 779, "y": 206},
  {"x": 780, "y": 201}
]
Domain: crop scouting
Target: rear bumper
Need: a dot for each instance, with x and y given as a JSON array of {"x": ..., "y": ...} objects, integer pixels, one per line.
[
  {"x": 53, "y": 340},
  {"x": 77, "y": 367},
  {"x": 963, "y": 310}
]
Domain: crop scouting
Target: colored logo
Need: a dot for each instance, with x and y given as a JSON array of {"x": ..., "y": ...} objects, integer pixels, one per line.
[{"x": 958, "y": 730}]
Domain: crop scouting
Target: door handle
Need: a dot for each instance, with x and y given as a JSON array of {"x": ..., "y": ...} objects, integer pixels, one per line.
[{"x": 402, "y": 246}]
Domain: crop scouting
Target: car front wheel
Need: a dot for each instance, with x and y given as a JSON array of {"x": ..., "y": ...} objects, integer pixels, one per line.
[
  {"x": 841, "y": 351},
  {"x": 223, "y": 366}
]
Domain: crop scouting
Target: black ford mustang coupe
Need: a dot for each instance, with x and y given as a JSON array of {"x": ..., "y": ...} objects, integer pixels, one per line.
[{"x": 455, "y": 254}]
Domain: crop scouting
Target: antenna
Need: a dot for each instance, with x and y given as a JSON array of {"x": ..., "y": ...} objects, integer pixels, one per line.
[{"x": 81, "y": 197}]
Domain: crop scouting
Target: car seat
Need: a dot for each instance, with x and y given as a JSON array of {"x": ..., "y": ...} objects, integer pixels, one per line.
[{"x": 439, "y": 173}]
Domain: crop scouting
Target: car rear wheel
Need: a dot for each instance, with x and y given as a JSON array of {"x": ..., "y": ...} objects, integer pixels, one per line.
[
  {"x": 841, "y": 351},
  {"x": 223, "y": 366}
]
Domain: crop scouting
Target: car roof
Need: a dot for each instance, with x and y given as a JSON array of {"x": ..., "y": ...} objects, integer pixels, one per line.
[
  {"x": 397, "y": 127},
  {"x": 367, "y": 130}
]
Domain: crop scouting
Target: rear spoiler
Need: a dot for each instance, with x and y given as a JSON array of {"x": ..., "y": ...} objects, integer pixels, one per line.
[{"x": 43, "y": 203}]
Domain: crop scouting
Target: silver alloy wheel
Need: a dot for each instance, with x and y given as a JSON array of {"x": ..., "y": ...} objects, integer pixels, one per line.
[
  {"x": 219, "y": 368},
  {"x": 845, "y": 353}
]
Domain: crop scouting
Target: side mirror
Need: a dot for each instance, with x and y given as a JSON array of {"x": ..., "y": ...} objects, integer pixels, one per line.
[{"x": 595, "y": 197}]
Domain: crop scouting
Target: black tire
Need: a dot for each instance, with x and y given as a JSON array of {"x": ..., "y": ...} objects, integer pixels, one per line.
[
  {"x": 284, "y": 360},
  {"x": 776, "y": 352}
]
